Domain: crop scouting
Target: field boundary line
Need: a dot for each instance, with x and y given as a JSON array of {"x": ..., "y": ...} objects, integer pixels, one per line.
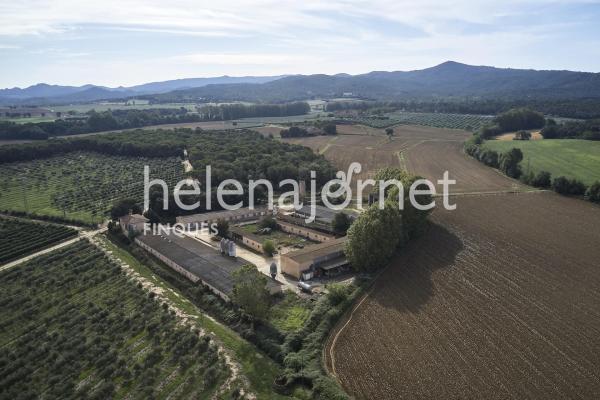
[{"x": 333, "y": 339}]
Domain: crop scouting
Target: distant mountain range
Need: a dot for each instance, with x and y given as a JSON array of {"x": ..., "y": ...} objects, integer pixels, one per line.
[
  {"x": 445, "y": 81},
  {"x": 43, "y": 93}
]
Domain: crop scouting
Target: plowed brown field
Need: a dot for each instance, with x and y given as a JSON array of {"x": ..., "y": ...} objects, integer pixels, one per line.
[
  {"x": 500, "y": 299},
  {"x": 425, "y": 151}
]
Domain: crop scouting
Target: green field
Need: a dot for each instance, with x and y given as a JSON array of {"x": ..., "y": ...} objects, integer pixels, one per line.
[
  {"x": 26, "y": 120},
  {"x": 83, "y": 108},
  {"x": 78, "y": 185},
  {"x": 74, "y": 326},
  {"x": 19, "y": 238},
  {"x": 572, "y": 158}
]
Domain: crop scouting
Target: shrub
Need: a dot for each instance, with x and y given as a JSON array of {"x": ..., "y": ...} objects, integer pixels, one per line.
[
  {"x": 593, "y": 192},
  {"x": 337, "y": 294},
  {"x": 268, "y": 247},
  {"x": 567, "y": 186},
  {"x": 543, "y": 179}
]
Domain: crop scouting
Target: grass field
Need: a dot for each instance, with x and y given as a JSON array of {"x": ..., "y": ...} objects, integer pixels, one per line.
[
  {"x": 561, "y": 157},
  {"x": 74, "y": 326},
  {"x": 81, "y": 186},
  {"x": 28, "y": 120}
]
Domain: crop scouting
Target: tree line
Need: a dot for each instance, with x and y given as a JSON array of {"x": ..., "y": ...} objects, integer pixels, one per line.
[
  {"x": 509, "y": 163},
  {"x": 588, "y": 130},
  {"x": 568, "y": 108},
  {"x": 298, "y": 131},
  {"x": 225, "y": 112},
  {"x": 94, "y": 121}
]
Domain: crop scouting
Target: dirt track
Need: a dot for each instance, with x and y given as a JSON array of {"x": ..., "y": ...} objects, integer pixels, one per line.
[{"x": 500, "y": 299}]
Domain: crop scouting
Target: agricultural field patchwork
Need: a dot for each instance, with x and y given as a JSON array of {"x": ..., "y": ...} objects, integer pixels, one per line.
[
  {"x": 489, "y": 303},
  {"x": 78, "y": 185},
  {"x": 424, "y": 151},
  {"x": 19, "y": 238},
  {"x": 572, "y": 158},
  {"x": 436, "y": 120},
  {"x": 74, "y": 326}
]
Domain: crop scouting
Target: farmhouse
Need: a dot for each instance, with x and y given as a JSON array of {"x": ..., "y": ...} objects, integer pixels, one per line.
[
  {"x": 323, "y": 259},
  {"x": 132, "y": 223},
  {"x": 239, "y": 215}
]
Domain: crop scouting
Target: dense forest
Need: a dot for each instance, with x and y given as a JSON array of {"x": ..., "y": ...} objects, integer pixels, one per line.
[{"x": 237, "y": 154}]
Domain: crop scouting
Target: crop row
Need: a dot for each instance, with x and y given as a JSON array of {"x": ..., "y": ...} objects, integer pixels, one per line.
[
  {"x": 436, "y": 120},
  {"x": 73, "y": 325},
  {"x": 79, "y": 185},
  {"x": 18, "y": 238}
]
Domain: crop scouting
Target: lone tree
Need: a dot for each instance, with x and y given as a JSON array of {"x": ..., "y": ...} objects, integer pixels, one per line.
[
  {"x": 389, "y": 132},
  {"x": 222, "y": 227},
  {"x": 330, "y": 129},
  {"x": 340, "y": 224},
  {"x": 250, "y": 291}
]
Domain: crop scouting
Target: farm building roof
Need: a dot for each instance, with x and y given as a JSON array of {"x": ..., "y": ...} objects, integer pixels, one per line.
[
  {"x": 217, "y": 215},
  {"x": 304, "y": 228},
  {"x": 197, "y": 258},
  {"x": 322, "y": 213},
  {"x": 132, "y": 218},
  {"x": 317, "y": 250}
]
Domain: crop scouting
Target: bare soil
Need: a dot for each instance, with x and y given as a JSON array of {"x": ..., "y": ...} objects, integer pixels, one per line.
[{"x": 499, "y": 299}]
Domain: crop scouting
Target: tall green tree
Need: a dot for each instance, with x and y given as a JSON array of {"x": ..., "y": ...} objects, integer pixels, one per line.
[{"x": 250, "y": 291}]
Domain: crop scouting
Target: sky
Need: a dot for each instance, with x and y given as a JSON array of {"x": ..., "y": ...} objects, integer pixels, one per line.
[{"x": 127, "y": 42}]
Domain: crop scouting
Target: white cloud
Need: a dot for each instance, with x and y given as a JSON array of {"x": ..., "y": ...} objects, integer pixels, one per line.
[{"x": 239, "y": 37}]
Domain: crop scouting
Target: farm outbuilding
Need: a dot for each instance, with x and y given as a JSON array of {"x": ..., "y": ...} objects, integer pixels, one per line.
[
  {"x": 304, "y": 231},
  {"x": 197, "y": 261},
  {"x": 239, "y": 215},
  {"x": 133, "y": 223},
  {"x": 325, "y": 258}
]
